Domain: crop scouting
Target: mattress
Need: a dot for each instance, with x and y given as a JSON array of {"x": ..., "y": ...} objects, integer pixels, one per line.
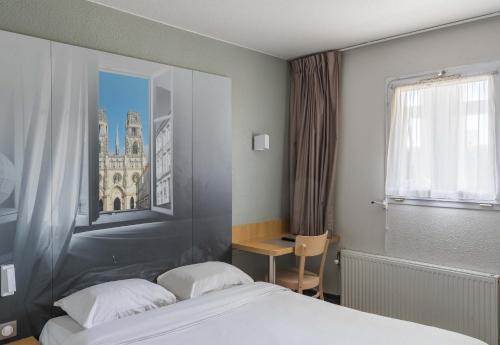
[
  {"x": 58, "y": 330},
  {"x": 257, "y": 313}
]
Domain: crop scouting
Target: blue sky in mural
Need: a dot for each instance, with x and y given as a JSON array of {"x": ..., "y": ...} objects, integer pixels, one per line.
[{"x": 119, "y": 94}]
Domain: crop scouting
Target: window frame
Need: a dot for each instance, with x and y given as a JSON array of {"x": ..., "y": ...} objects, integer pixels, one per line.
[
  {"x": 95, "y": 219},
  {"x": 152, "y": 147},
  {"x": 391, "y": 83}
]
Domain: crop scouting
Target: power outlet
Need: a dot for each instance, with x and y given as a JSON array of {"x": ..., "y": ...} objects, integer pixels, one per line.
[{"x": 8, "y": 330}]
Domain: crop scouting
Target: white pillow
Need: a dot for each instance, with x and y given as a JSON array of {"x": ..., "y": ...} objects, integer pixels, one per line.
[
  {"x": 114, "y": 300},
  {"x": 198, "y": 279}
]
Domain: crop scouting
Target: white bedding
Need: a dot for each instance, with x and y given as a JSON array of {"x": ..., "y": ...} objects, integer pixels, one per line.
[
  {"x": 58, "y": 329},
  {"x": 261, "y": 313}
]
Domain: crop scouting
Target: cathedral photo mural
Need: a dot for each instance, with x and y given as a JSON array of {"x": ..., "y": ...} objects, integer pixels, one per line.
[
  {"x": 124, "y": 169},
  {"x": 123, "y": 163},
  {"x": 111, "y": 168}
]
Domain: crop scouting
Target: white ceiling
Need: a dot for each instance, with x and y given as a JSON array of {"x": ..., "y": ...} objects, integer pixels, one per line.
[{"x": 291, "y": 28}]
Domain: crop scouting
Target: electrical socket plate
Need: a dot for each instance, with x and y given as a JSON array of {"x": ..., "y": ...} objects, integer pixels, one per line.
[{"x": 4, "y": 329}]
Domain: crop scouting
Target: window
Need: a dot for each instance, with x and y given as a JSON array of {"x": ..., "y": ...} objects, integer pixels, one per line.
[
  {"x": 133, "y": 100},
  {"x": 128, "y": 114},
  {"x": 117, "y": 178},
  {"x": 124, "y": 107},
  {"x": 162, "y": 141},
  {"x": 442, "y": 142},
  {"x": 135, "y": 178}
]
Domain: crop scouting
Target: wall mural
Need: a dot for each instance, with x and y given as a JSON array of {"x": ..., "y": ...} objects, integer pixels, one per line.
[{"x": 110, "y": 168}]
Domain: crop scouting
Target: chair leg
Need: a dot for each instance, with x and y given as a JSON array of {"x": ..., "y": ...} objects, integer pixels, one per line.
[
  {"x": 317, "y": 293},
  {"x": 320, "y": 292}
]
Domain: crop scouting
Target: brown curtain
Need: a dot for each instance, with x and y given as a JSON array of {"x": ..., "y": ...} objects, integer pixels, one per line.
[{"x": 314, "y": 98}]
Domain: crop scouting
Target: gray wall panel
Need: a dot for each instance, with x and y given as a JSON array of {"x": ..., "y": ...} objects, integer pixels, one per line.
[
  {"x": 211, "y": 167},
  {"x": 54, "y": 253}
]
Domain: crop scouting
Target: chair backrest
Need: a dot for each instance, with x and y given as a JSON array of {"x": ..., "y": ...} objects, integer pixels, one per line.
[{"x": 310, "y": 245}]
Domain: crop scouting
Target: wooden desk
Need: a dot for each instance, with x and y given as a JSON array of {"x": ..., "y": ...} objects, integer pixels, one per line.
[
  {"x": 25, "y": 341},
  {"x": 266, "y": 246},
  {"x": 265, "y": 239}
]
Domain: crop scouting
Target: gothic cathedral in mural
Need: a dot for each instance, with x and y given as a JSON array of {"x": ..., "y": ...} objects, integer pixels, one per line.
[{"x": 121, "y": 174}]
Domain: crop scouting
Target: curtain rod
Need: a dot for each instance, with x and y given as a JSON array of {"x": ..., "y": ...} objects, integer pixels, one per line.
[
  {"x": 443, "y": 76},
  {"x": 416, "y": 32},
  {"x": 436, "y": 77},
  {"x": 316, "y": 53},
  {"x": 410, "y": 33}
]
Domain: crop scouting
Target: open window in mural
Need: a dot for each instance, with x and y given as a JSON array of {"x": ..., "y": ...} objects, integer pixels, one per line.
[
  {"x": 127, "y": 164},
  {"x": 135, "y": 131},
  {"x": 162, "y": 144},
  {"x": 123, "y": 142},
  {"x": 135, "y": 148}
]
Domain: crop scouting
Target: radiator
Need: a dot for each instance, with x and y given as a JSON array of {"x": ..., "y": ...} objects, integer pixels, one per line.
[{"x": 457, "y": 300}]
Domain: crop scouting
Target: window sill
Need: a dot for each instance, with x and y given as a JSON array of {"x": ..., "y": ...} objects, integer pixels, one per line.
[
  {"x": 469, "y": 205},
  {"x": 124, "y": 218}
]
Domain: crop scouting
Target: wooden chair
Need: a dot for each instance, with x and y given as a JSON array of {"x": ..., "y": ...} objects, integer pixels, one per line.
[{"x": 300, "y": 279}]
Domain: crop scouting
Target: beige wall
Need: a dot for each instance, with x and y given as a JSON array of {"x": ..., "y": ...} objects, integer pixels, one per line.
[
  {"x": 459, "y": 238},
  {"x": 259, "y": 84}
]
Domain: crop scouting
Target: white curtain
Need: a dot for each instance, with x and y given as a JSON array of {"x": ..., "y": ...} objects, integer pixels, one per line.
[
  {"x": 74, "y": 99},
  {"x": 50, "y": 105},
  {"x": 25, "y": 96},
  {"x": 25, "y": 112},
  {"x": 442, "y": 142}
]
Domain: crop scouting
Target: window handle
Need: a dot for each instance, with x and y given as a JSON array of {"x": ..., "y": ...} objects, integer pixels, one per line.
[
  {"x": 398, "y": 199},
  {"x": 485, "y": 205},
  {"x": 382, "y": 203}
]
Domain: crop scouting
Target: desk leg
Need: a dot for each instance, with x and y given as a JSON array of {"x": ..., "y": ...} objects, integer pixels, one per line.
[{"x": 272, "y": 269}]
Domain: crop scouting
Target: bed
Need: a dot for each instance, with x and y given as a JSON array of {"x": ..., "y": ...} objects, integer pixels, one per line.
[{"x": 256, "y": 313}]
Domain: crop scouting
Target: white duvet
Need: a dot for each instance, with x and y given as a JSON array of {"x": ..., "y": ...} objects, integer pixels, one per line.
[{"x": 262, "y": 313}]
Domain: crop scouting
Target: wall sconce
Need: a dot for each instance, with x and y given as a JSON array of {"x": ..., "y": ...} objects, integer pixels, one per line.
[{"x": 261, "y": 142}]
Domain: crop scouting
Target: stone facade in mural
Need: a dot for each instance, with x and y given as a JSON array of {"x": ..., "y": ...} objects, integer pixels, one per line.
[{"x": 121, "y": 172}]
